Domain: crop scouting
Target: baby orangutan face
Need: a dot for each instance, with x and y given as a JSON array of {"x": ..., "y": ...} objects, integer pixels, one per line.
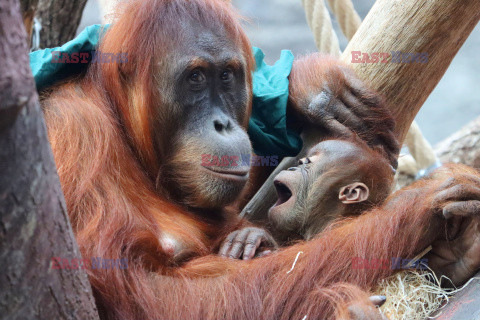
[{"x": 337, "y": 179}]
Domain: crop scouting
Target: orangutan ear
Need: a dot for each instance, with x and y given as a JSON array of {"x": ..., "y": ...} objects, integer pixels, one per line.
[{"x": 354, "y": 193}]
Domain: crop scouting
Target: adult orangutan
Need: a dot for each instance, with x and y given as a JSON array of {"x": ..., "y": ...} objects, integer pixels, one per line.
[{"x": 128, "y": 140}]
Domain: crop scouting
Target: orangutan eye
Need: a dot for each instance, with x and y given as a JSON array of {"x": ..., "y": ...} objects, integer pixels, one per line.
[
  {"x": 227, "y": 75},
  {"x": 196, "y": 76},
  {"x": 304, "y": 161}
]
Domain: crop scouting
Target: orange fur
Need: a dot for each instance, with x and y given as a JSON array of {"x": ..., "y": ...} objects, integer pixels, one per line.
[
  {"x": 99, "y": 129},
  {"x": 108, "y": 161},
  {"x": 318, "y": 72}
]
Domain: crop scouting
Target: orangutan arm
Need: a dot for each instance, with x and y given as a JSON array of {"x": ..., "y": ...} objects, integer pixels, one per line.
[
  {"x": 328, "y": 95},
  {"x": 457, "y": 254},
  {"x": 315, "y": 278}
]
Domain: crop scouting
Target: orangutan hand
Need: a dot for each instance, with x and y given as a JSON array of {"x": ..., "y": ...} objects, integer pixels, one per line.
[
  {"x": 367, "y": 310},
  {"x": 456, "y": 254},
  {"x": 247, "y": 243},
  {"x": 345, "y": 106}
]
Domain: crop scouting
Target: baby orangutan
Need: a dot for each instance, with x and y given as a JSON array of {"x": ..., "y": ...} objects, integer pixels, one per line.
[
  {"x": 345, "y": 178},
  {"x": 338, "y": 178},
  {"x": 346, "y": 182}
]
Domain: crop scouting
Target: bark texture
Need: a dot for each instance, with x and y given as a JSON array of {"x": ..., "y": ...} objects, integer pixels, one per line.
[
  {"x": 28, "y": 9},
  {"x": 59, "y": 20},
  {"x": 34, "y": 225},
  {"x": 463, "y": 146}
]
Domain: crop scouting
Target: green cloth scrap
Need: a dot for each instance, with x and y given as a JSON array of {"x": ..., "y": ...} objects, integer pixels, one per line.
[
  {"x": 46, "y": 73},
  {"x": 268, "y": 128}
]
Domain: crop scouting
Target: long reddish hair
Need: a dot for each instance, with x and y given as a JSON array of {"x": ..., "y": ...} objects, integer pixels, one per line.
[
  {"x": 149, "y": 32},
  {"x": 100, "y": 129}
]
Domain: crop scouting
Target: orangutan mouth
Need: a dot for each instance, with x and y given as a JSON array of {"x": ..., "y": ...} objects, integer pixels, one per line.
[
  {"x": 229, "y": 174},
  {"x": 283, "y": 191}
]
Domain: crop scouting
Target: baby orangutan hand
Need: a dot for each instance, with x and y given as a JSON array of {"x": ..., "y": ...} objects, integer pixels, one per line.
[{"x": 247, "y": 243}]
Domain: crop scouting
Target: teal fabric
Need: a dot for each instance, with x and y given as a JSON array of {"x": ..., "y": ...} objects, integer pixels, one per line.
[
  {"x": 47, "y": 73},
  {"x": 268, "y": 128}
]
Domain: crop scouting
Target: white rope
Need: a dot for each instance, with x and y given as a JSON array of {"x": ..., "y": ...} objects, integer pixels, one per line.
[
  {"x": 407, "y": 165},
  {"x": 421, "y": 151},
  {"x": 319, "y": 21},
  {"x": 346, "y": 15}
]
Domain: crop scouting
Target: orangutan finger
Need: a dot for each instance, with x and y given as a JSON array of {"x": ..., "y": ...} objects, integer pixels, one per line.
[
  {"x": 269, "y": 241},
  {"x": 263, "y": 253},
  {"x": 238, "y": 244},
  {"x": 346, "y": 116},
  {"x": 363, "y": 98},
  {"x": 251, "y": 244},
  {"x": 459, "y": 178},
  {"x": 359, "y": 312},
  {"x": 457, "y": 193},
  {"x": 450, "y": 182},
  {"x": 337, "y": 128},
  {"x": 227, "y": 243},
  {"x": 353, "y": 102},
  {"x": 461, "y": 208}
]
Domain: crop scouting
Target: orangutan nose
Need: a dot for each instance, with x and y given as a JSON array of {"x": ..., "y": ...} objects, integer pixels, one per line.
[{"x": 222, "y": 125}]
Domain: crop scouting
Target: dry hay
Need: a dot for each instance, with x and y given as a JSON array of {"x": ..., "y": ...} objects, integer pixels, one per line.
[{"x": 413, "y": 294}]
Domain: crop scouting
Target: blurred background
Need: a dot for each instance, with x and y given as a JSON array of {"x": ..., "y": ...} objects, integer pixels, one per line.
[{"x": 280, "y": 24}]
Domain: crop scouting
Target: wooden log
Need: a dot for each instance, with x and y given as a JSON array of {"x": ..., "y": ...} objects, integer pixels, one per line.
[
  {"x": 464, "y": 305},
  {"x": 436, "y": 27},
  {"x": 463, "y": 146}
]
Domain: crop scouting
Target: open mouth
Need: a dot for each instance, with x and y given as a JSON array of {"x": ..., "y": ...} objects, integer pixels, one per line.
[
  {"x": 283, "y": 191},
  {"x": 237, "y": 174}
]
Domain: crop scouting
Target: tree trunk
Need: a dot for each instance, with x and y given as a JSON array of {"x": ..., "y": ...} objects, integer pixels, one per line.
[
  {"x": 59, "y": 20},
  {"x": 28, "y": 9},
  {"x": 463, "y": 146},
  {"x": 34, "y": 225}
]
